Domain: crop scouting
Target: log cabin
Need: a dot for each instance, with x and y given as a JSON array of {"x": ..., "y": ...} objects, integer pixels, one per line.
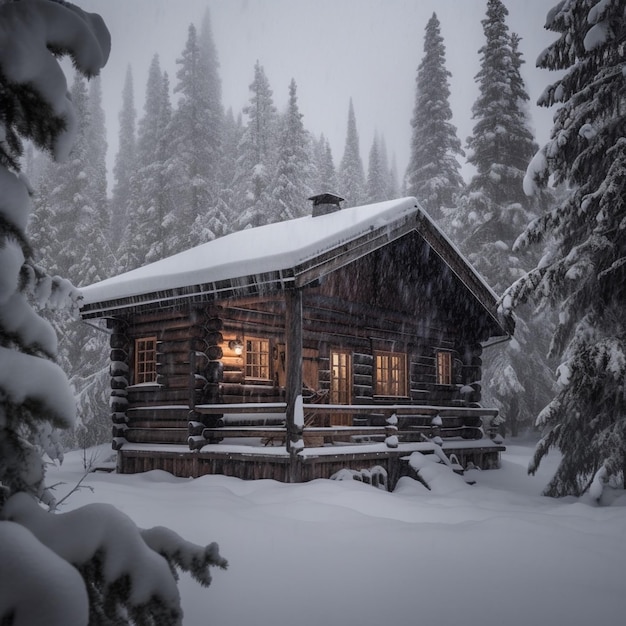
[{"x": 342, "y": 340}]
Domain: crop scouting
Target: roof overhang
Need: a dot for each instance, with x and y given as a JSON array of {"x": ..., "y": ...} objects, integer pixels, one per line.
[{"x": 310, "y": 270}]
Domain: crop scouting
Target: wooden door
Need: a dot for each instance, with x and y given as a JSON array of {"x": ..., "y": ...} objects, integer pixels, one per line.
[
  {"x": 310, "y": 370},
  {"x": 340, "y": 385},
  {"x": 310, "y": 367}
]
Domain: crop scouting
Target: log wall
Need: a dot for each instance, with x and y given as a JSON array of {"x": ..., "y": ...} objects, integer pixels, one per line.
[{"x": 195, "y": 364}]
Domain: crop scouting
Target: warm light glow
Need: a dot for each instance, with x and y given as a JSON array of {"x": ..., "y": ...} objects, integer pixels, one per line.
[{"x": 236, "y": 345}]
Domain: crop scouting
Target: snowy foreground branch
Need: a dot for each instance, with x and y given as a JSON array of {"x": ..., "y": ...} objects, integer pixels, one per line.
[
  {"x": 92, "y": 565},
  {"x": 119, "y": 571}
]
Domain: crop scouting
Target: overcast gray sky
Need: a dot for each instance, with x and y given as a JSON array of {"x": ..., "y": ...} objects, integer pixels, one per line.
[{"x": 335, "y": 49}]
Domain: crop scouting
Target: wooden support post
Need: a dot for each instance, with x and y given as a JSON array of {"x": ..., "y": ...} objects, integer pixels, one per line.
[
  {"x": 293, "y": 330},
  {"x": 192, "y": 380}
]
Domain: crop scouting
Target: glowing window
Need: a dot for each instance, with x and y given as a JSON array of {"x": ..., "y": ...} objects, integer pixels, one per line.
[
  {"x": 444, "y": 368},
  {"x": 391, "y": 379},
  {"x": 257, "y": 358},
  {"x": 341, "y": 377},
  {"x": 145, "y": 360}
]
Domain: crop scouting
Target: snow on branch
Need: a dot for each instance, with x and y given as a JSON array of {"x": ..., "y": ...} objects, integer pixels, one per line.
[
  {"x": 134, "y": 567},
  {"x": 37, "y": 383},
  {"x": 45, "y": 589},
  {"x": 32, "y": 35},
  {"x": 189, "y": 557}
]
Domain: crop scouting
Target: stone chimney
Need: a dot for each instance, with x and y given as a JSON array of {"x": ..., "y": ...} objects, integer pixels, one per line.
[{"x": 325, "y": 203}]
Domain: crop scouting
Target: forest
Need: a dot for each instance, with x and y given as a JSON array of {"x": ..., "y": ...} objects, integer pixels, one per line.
[
  {"x": 544, "y": 226},
  {"x": 186, "y": 172}
]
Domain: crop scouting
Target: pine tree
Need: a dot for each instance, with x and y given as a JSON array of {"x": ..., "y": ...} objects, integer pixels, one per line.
[
  {"x": 433, "y": 175},
  {"x": 492, "y": 213},
  {"x": 377, "y": 172},
  {"x": 390, "y": 172},
  {"x": 232, "y": 135},
  {"x": 501, "y": 144},
  {"x": 393, "y": 185},
  {"x": 582, "y": 272},
  {"x": 125, "y": 162},
  {"x": 214, "y": 220},
  {"x": 96, "y": 168},
  {"x": 257, "y": 155},
  {"x": 350, "y": 174},
  {"x": 77, "y": 199},
  {"x": 325, "y": 178},
  {"x": 196, "y": 139},
  {"x": 291, "y": 184},
  {"x": 87, "y": 353},
  {"x": 151, "y": 197},
  {"x": 73, "y": 198},
  {"x": 78, "y": 580}
]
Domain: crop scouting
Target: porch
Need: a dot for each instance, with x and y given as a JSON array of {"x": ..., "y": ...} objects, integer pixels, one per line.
[{"x": 252, "y": 440}]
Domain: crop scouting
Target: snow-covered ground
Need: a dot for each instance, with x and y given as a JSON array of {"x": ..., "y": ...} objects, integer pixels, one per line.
[{"x": 342, "y": 553}]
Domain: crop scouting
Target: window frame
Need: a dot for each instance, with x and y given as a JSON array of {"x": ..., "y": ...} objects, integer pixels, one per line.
[
  {"x": 444, "y": 367},
  {"x": 255, "y": 371},
  {"x": 335, "y": 395},
  {"x": 145, "y": 361},
  {"x": 384, "y": 383}
]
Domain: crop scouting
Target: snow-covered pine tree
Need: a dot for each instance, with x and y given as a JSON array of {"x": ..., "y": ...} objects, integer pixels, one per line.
[
  {"x": 350, "y": 174},
  {"x": 96, "y": 170},
  {"x": 33, "y": 163},
  {"x": 125, "y": 163},
  {"x": 377, "y": 172},
  {"x": 583, "y": 270},
  {"x": 492, "y": 213},
  {"x": 152, "y": 202},
  {"x": 232, "y": 135},
  {"x": 257, "y": 155},
  {"x": 51, "y": 573},
  {"x": 214, "y": 220},
  {"x": 325, "y": 178},
  {"x": 196, "y": 143},
  {"x": 87, "y": 364},
  {"x": 433, "y": 174},
  {"x": 501, "y": 144},
  {"x": 291, "y": 185},
  {"x": 78, "y": 201},
  {"x": 390, "y": 171},
  {"x": 70, "y": 225}
]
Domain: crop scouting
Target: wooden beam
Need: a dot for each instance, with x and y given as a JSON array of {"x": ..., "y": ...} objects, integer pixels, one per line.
[{"x": 293, "y": 301}]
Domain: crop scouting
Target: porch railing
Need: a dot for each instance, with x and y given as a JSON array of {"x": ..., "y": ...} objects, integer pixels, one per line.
[{"x": 371, "y": 422}]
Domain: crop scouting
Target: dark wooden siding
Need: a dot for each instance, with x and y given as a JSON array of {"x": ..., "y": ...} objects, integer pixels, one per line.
[{"x": 417, "y": 309}]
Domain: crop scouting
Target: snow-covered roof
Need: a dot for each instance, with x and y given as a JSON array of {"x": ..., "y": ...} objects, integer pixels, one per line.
[{"x": 292, "y": 253}]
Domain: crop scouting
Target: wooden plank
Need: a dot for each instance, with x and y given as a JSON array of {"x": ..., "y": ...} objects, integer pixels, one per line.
[
  {"x": 156, "y": 435},
  {"x": 386, "y": 409},
  {"x": 401, "y": 409},
  {"x": 153, "y": 424},
  {"x": 245, "y": 407},
  {"x": 171, "y": 316},
  {"x": 186, "y": 346},
  {"x": 168, "y": 370},
  {"x": 173, "y": 358},
  {"x": 233, "y": 377},
  {"x": 158, "y": 411}
]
